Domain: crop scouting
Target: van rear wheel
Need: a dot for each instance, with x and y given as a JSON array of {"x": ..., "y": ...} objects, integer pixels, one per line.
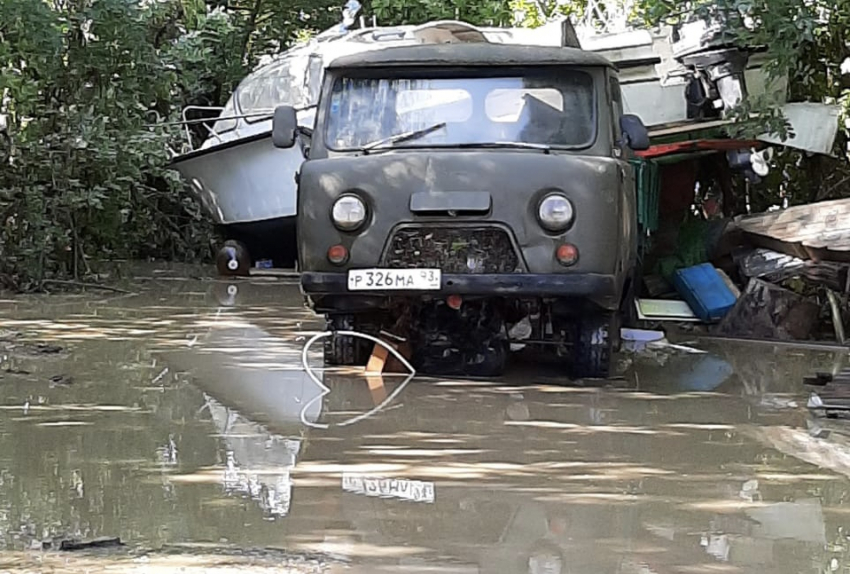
[{"x": 596, "y": 338}]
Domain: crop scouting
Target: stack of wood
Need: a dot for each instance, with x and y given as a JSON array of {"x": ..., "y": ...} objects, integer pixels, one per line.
[
  {"x": 810, "y": 242},
  {"x": 817, "y": 231},
  {"x": 815, "y": 239}
]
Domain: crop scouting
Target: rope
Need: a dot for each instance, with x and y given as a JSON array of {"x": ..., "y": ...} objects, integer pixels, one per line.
[{"x": 325, "y": 390}]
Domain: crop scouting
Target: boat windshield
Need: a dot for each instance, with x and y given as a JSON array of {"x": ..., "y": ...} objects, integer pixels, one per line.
[
  {"x": 226, "y": 125},
  {"x": 551, "y": 108},
  {"x": 277, "y": 84}
]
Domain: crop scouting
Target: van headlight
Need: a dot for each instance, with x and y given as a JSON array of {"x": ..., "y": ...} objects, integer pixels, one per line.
[
  {"x": 555, "y": 212},
  {"x": 348, "y": 213}
]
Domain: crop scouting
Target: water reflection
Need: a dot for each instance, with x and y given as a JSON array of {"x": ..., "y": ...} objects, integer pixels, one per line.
[
  {"x": 258, "y": 464},
  {"x": 183, "y": 425}
]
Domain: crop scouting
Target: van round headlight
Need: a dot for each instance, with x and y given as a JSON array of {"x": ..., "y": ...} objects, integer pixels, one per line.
[
  {"x": 348, "y": 213},
  {"x": 555, "y": 212}
]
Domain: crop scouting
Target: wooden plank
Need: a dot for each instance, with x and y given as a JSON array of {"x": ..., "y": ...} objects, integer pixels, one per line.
[
  {"x": 685, "y": 127},
  {"x": 378, "y": 360},
  {"x": 815, "y": 231},
  {"x": 829, "y": 274},
  {"x": 396, "y": 366},
  {"x": 382, "y": 361},
  {"x": 377, "y": 389},
  {"x": 693, "y": 146}
]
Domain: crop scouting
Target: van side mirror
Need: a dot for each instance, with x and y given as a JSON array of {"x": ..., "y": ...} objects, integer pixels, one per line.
[
  {"x": 637, "y": 136},
  {"x": 284, "y": 124}
]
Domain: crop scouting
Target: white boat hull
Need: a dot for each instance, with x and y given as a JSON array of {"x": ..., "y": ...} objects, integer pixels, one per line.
[{"x": 243, "y": 181}]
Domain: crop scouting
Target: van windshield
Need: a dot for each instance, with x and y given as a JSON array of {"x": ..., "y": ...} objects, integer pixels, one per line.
[{"x": 554, "y": 107}]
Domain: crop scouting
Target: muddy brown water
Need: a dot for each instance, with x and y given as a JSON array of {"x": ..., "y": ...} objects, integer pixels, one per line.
[{"x": 181, "y": 421}]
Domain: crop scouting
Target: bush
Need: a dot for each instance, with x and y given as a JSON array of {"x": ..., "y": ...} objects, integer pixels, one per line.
[{"x": 82, "y": 176}]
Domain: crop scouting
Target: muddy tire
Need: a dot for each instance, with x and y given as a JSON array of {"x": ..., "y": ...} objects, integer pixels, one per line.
[
  {"x": 628, "y": 312},
  {"x": 345, "y": 351},
  {"x": 631, "y": 293},
  {"x": 594, "y": 345}
]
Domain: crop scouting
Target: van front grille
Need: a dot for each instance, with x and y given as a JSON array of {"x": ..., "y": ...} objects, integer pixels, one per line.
[{"x": 454, "y": 250}]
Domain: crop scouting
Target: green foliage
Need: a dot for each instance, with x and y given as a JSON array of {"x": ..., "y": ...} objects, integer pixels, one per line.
[
  {"x": 479, "y": 12},
  {"x": 690, "y": 247},
  {"x": 535, "y": 13},
  {"x": 82, "y": 175},
  {"x": 783, "y": 27}
]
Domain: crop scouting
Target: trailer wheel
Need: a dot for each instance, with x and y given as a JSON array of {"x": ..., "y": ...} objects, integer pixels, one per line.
[{"x": 233, "y": 259}]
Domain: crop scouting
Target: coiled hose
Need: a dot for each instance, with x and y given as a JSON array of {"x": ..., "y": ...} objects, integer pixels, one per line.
[{"x": 325, "y": 390}]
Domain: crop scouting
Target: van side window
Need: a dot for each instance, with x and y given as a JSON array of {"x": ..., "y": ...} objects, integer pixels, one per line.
[{"x": 617, "y": 107}]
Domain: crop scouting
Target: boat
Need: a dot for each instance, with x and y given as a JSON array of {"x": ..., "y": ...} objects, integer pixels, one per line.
[
  {"x": 245, "y": 184},
  {"x": 673, "y": 78}
]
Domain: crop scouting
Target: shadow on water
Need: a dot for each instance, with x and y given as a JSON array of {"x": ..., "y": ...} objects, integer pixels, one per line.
[{"x": 190, "y": 424}]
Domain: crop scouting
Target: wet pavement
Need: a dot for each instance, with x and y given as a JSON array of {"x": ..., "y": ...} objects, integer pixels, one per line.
[{"x": 180, "y": 420}]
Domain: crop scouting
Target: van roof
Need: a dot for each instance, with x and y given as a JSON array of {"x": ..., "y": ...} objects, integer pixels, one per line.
[{"x": 470, "y": 54}]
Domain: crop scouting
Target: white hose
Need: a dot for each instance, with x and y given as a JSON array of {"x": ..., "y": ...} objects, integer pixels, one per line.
[{"x": 325, "y": 390}]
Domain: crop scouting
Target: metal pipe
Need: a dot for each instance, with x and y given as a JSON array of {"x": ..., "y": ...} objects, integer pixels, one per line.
[
  {"x": 231, "y": 117},
  {"x": 807, "y": 345},
  {"x": 215, "y": 119}
]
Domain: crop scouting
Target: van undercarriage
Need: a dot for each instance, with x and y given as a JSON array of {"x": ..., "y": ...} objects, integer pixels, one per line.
[{"x": 474, "y": 336}]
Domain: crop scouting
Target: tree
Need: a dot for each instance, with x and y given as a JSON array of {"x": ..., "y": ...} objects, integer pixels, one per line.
[
  {"x": 83, "y": 174},
  {"x": 478, "y": 12},
  {"x": 804, "y": 40}
]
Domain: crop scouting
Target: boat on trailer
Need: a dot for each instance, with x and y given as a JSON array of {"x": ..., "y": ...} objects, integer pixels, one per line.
[
  {"x": 673, "y": 78},
  {"x": 245, "y": 184}
]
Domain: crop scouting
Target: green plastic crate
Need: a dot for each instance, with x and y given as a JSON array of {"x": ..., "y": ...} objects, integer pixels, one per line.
[{"x": 648, "y": 192}]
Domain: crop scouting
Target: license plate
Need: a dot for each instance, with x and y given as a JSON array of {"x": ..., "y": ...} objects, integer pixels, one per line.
[{"x": 394, "y": 279}]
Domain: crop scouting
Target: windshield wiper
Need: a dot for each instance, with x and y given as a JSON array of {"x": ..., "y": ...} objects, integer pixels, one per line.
[
  {"x": 547, "y": 149},
  {"x": 405, "y": 136},
  {"x": 523, "y": 145}
]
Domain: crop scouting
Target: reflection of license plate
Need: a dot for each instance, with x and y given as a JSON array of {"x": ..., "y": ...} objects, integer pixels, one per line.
[
  {"x": 414, "y": 490},
  {"x": 394, "y": 279}
]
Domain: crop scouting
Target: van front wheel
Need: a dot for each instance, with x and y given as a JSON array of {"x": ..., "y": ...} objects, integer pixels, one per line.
[{"x": 345, "y": 350}]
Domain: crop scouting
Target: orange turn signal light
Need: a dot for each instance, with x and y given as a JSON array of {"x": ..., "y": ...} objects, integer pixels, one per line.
[
  {"x": 567, "y": 254},
  {"x": 338, "y": 254}
]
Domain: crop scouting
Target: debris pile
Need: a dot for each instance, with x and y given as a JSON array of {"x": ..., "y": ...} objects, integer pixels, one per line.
[{"x": 781, "y": 275}]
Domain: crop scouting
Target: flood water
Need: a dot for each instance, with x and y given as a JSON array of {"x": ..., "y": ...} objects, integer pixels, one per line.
[{"x": 181, "y": 420}]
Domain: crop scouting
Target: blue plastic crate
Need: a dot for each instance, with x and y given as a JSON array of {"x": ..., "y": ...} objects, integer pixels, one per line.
[{"x": 705, "y": 291}]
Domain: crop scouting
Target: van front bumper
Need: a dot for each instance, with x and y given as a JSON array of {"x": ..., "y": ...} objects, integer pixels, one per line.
[{"x": 602, "y": 289}]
